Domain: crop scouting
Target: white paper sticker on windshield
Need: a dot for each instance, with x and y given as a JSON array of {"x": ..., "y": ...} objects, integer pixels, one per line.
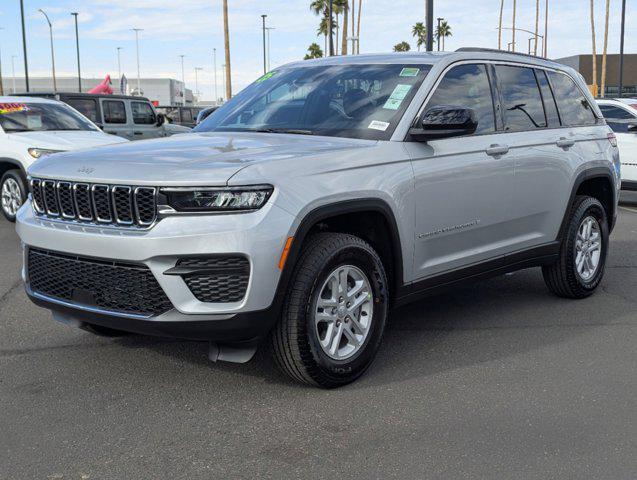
[
  {"x": 397, "y": 97},
  {"x": 34, "y": 122},
  {"x": 378, "y": 125}
]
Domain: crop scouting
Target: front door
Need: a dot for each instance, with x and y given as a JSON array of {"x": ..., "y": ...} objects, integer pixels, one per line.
[
  {"x": 464, "y": 185},
  {"x": 145, "y": 121}
]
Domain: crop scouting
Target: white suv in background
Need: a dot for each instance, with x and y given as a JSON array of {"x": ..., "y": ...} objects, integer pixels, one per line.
[
  {"x": 31, "y": 128},
  {"x": 621, "y": 116}
]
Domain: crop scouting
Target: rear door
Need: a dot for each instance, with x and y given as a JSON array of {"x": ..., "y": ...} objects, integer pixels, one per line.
[
  {"x": 463, "y": 185},
  {"x": 543, "y": 153},
  {"x": 145, "y": 121},
  {"x": 87, "y": 107},
  {"x": 115, "y": 118}
]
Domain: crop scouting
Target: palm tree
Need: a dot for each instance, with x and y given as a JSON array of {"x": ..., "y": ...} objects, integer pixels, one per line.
[
  {"x": 314, "y": 51},
  {"x": 402, "y": 47},
  {"x": 419, "y": 31},
  {"x": 444, "y": 31},
  {"x": 500, "y": 25},
  {"x": 537, "y": 25},
  {"x": 358, "y": 27},
  {"x": 322, "y": 7},
  {"x": 344, "y": 33},
  {"x": 226, "y": 38},
  {"x": 603, "y": 86},
  {"x": 594, "y": 47}
]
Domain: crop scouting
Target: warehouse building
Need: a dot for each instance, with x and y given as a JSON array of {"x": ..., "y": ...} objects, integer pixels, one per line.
[{"x": 584, "y": 65}]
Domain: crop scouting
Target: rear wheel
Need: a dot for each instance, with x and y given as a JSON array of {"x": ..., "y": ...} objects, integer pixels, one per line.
[
  {"x": 13, "y": 193},
  {"x": 335, "y": 312},
  {"x": 582, "y": 258}
]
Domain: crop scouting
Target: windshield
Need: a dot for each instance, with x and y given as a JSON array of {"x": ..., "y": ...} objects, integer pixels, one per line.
[
  {"x": 355, "y": 101},
  {"x": 40, "y": 117}
]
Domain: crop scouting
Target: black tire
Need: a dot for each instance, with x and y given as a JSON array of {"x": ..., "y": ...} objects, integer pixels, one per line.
[
  {"x": 101, "y": 331},
  {"x": 15, "y": 175},
  {"x": 295, "y": 341},
  {"x": 562, "y": 277}
]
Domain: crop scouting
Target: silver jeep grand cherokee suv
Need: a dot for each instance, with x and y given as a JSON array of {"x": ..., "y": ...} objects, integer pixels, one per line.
[{"x": 321, "y": 196}]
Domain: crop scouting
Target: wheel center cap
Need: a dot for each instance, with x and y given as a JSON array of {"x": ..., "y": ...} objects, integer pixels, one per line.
[{"x": 342, "y": 311}]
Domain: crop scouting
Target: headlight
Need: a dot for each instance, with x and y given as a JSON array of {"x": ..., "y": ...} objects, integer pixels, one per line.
[
  {"x": 217, "y": 199},
  {"x": 40, "y": 152}
]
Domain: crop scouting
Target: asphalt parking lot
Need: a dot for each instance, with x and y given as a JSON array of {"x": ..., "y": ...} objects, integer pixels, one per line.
[{"x": 495, "y": 380}]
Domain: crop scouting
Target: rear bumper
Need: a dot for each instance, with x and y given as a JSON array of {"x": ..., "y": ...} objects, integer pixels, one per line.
[{"x": 629, "y": 185}]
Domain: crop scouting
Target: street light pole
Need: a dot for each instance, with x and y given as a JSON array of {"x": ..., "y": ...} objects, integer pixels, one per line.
[
  {"x": 1, "y": 84},
  {"x": 119, "y": 63},
  {"x": 197, "y": 69},
  {"x": 265, "y": 66},
  {"x": 268, "y": 42},
  {"x": 440, "y": 19},
  {"x": 621, "y": 50},
  {"x": 55, "y": 87},
  {"x": 24, "y": 47},
  {"x": 13, "y": 57},
  {"x": 139, "y": 81},
  {"x": 183, "y": 80},
  {"x": 214, "y": 64},
  {"x": 77, "y": 47}
]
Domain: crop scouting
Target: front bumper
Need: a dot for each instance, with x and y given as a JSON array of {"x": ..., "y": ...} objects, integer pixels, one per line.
[{"x": 259, "y": 236}]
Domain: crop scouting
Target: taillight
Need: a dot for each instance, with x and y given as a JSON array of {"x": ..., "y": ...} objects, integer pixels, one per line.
[
  {"x": 634, "y": 105},
  {"x": 612, "y": 138}
]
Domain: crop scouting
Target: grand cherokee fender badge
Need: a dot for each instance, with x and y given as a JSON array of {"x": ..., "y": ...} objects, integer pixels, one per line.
[
  {"x": 449, "y": 229},
  {"x": 86, "y": 170}
]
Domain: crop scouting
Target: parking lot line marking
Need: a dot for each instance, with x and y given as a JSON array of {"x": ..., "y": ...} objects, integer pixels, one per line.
[{"x": 629, "y": 209}]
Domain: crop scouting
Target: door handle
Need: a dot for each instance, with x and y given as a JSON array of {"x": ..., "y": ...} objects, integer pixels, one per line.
[
  {"x": 497, "y": 150},
  {"x": 138, "y": 133},
  {"x": 565, "y": 143}
]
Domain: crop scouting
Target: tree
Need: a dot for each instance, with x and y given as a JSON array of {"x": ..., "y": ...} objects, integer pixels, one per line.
[
  {"x": 419, "y": 31},
  {"x": 443, "y": 32},
  {"x": 594, "y": 46},
  {"x": 402, "y": 47},
  {"x": 602, "y": 92},
  {"x": 322, "y": 7},
  {"x": 500, "y": 25},
  {"x": 226, "y": 38},
  {"x": 314, "y": 51},
  {"x": 344, "y": 34}
]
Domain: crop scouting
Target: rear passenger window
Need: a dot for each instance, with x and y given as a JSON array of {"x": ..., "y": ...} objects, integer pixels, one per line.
[
  {"x": 521, "y": 99},
  {"x": 85, "y": 106},
  {"x": 573, "y": 105},
  {"x": 550, "y": 107},
  {"x": 114, "y": 111},
  {"x": 615, "y": 113},
  {"x": 143, "y": 113},
  {"x": 467, "y": 86}
]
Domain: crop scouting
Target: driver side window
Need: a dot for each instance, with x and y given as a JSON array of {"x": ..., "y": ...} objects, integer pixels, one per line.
[{"x": 467, "y": 86}]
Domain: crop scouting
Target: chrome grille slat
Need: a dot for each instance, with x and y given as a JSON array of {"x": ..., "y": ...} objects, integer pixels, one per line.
[{"x": 117, "y": 205}]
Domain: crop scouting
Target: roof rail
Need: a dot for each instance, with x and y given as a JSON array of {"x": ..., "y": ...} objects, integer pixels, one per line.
[{"x": 495, "y": 50}]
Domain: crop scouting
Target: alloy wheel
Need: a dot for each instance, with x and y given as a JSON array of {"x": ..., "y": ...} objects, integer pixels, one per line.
[
  {"x": 11, "y": 197},
  {"x": 588, "y": 248}
]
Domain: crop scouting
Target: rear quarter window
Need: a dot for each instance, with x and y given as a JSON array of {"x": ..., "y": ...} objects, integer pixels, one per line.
[{"x": 571, "y": 102}]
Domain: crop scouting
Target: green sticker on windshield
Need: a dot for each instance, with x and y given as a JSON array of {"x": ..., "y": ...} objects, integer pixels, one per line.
[
  {"x": 409, "y": 72},
  {"x": 397, "y": 97},
  {"x": 266, "y": 76}
]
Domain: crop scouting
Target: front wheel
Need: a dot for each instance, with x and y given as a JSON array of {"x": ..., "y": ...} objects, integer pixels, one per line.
[
  {"x": 13, "y": 193},
  {"x": 335, "y": 312},
  {"x": 580, "y": 267}
]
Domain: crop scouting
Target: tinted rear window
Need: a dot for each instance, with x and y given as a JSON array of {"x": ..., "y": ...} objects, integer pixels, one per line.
[
  {"x": 521, "y": 99},
  {"x": 573, "y": 105},
  {"x": 86, "y": 106},
  {"x": 114, "y": 111}
]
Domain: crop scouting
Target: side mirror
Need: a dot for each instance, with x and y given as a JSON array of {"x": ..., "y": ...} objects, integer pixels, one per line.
[
  {"x": 632, "y": 127},
  {"x": 161, "y": 119},
  {"x": 445, "y": 121},
  {"x": 100, "y": 126}
]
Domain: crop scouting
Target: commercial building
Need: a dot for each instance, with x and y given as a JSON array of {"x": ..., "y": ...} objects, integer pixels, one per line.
[
  {"x": 584, "y": 65},
  {"x": 162, "y": 91}
]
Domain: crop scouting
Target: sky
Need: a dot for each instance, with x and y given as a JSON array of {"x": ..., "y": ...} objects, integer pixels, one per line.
[{"x": 195, "y": 27}]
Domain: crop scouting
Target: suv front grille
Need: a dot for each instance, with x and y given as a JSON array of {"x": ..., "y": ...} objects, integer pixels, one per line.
[
  {"x": 119, "y": 205},
  {"x": 110, "y": 286}
]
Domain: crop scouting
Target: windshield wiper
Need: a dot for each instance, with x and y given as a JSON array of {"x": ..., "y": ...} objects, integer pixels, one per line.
[{"x": 294, "y": 131}]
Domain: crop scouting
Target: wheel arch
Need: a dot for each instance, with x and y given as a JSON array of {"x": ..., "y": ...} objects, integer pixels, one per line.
[
  {"x": 7, "y": 164},
  {"x": 337, "y": 217}
]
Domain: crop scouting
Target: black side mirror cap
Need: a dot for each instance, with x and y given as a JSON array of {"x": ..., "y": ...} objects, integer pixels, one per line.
[
  {"x": 161, "y": 119},
  {"x": 444, "y": 121}
]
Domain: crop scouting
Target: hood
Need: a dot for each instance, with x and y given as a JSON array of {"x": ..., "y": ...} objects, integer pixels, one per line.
[
  {"x": 66, "y": 140},
  {"x": 209, "y": 159}
]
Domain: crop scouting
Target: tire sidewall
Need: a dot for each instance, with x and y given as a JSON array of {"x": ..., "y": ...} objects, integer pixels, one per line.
[
  {"x": 343, "y": 371},
  {"x": 15, "y": 175},
  {"x": 589, "y": 207}
]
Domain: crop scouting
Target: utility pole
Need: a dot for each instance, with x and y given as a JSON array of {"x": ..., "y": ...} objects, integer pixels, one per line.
[
  {"x": 440, "y": 19},
  {"x": 513, "y": 35},
  {"x": 214, "y": 63},
  {"x": 55, "y": 87},
  {"x": 24, "y": 47},
  {"x": 430, "y": 25},
  {"x": 265, "y": 65},
  {"x": 621, "y": 50},
  {"x": 268, "y": 42},
  {"x": 1, "y": 86},
  {"x": 77, "y": 47},
  {"x": 119, "y": 63},
  {"x": 183, "y": 80},
  {"x": 139, "y": 80},
  {"x": 13, "y": 57},
  {"x": 228, "y": 67},
  {"x": 546, "y": 30}
]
